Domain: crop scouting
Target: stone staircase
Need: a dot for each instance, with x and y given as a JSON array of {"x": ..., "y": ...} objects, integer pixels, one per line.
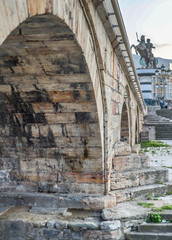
[
  {"x": 155, "y": 119},
  {"x": 153, "y": 231},
  {"x": 163, "y": 131},
  {"x": 132, "y": 177},
  {"x": 167, "y": 113},
  {"x": 162, "y": 125}
]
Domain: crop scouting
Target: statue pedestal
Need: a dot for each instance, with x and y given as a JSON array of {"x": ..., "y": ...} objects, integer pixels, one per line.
[{"x": 147, "y": 84}]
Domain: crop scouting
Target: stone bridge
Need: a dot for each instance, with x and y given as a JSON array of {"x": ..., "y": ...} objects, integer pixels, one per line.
[{"x": 70, "y": 99}]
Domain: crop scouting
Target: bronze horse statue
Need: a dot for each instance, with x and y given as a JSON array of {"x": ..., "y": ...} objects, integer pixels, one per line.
[{"x": 145, "y": 51}]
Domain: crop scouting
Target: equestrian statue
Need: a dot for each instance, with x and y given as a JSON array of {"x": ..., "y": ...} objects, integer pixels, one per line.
[{"x": 145, "y": 51}]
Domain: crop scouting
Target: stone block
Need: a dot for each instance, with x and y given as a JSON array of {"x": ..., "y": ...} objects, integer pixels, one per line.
[
  {"x": 61, "y": 225},
  {"x": 136, "y": 149},
  {"x": 122, "y": 149},
  {"x": 135, "y": 178},
  {"x": 110, "y": 225},
  {"x": 18, "y": 229},
  {"x": 50, "y": 224},
  {"x": 102, "y": 235},
  {"x": 84, "y": 177},
  {"x": 129, "y": 162},
  {"x": 54, "y": 118},
  {"x": 53, "y": 234},
  {"x": 99, "y": 203},
  {"x": 81, "y": 225},
  {"x": 4, "y": 176}
]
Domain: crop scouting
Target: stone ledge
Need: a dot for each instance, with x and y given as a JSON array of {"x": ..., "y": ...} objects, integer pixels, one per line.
[{"x": 80, "y": 201}]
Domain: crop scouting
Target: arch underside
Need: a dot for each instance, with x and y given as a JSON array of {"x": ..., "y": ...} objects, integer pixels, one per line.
[{"x": 50, "y": 134}]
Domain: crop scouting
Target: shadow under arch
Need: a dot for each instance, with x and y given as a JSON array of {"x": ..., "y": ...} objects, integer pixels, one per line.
[
  {"x": 125, "y": 135},
  {"x": 52, "y": 140},
  {"x": 137, "y": 127}
]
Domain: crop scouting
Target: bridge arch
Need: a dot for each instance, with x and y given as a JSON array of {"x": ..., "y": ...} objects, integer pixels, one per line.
[{"x": 49, "y": 108}]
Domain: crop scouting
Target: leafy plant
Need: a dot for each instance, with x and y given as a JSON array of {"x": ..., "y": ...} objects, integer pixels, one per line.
[
  {"x": 156, "y": 218},
  {"x": 168, "y": 193}
]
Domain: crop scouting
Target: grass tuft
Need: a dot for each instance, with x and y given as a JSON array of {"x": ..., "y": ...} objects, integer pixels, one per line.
[
  {"x": 146, "y": 205},
  {"x": 153, "y": 144}
]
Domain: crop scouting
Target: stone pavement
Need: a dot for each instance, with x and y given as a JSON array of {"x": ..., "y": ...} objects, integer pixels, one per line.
[{"x": 162, "y": 157}]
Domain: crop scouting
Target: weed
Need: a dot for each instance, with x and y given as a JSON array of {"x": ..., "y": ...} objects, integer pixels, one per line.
[
  {"x": 157, "y": 210},
  {"x": 168, "y": 193},
  {"x": 148, "y": 196},
  {"x": 153, "y": 144},
  {"x": 159, "y": 182},
  {"x": 153, "y": 151},
  {"x": 146, "y": 205},
  {"x": 145, "y": 150},
  {"x": 141, "y": 151},
  {"x": 166, "y": 207}
]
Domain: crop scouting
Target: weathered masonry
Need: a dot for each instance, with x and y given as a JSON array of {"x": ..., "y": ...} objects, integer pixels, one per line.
[{"x": 69, "y": 96}]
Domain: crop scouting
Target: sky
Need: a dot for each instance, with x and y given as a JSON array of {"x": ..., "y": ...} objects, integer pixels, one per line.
[{"x": 152, "y": 18}]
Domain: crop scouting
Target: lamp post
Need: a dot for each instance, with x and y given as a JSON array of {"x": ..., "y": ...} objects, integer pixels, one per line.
[{"x": 162, "y": 82}]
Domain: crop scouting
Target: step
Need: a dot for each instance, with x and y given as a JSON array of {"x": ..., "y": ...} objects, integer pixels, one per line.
[
  {"x": 71, "y": 201},
  {"x": 141, "y": 192},
  {"x": 163, "y": 134},
  {"x": 134, "y": 178},
  {"x": 169, "y": 127},
  {"x": 148, "y": 236},
  {"x": 155, "y": 227},
  {"x": 167, "y": 215},
  {"x": 163, "y": 138},
  {"x": 3, "y": 210},
  {"x": 130, "y": 162},
  {"x": 157, "y": 124}
]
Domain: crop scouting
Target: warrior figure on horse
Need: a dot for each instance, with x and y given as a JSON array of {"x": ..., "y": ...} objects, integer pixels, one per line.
[{"x": 145, "y": 51}]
